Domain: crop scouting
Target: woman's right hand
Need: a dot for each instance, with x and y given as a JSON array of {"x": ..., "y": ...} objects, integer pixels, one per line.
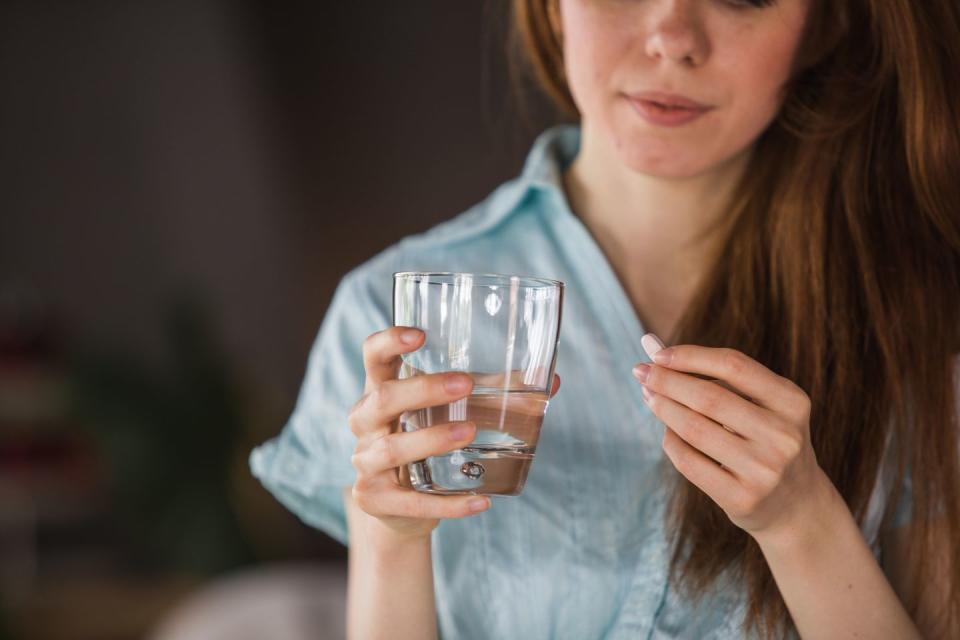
[{"x": 380, "y": 450}]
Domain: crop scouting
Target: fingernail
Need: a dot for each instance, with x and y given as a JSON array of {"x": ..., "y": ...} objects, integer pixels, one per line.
[
  {"x": 461, "y": 430},
  {"x": 646, "y": 395},
  {"x": 477, "y": 504},
  {"x": 663, "y": 357},
  {"x": 641, "y": 371},
  {"x": 456, "y": 384},
  {"x": 410, "y": 336}
]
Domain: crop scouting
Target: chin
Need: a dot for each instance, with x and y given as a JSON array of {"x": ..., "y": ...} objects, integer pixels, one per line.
[
  {"x": 673, "y": 164},
  {"x": 672, "y": 154}
]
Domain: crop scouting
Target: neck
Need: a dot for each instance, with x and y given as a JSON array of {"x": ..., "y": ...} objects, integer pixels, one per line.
[{"x": 660, "y": 234}]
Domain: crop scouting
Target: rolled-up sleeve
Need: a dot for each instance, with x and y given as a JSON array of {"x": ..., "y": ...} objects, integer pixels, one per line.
[{"x": 307, "y": 465}]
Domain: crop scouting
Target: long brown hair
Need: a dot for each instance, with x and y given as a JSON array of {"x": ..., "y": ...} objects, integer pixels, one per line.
[{"x": 841, "y": 272}]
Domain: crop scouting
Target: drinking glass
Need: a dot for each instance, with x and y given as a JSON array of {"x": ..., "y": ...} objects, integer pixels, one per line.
[{"x": 503, "y": 331}]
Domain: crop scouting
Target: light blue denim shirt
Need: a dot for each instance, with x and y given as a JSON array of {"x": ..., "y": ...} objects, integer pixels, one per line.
[{"x": 582, "y": 552}]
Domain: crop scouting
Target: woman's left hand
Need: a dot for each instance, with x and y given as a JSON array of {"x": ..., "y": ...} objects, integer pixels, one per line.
[{"x": 753, "y": 456}]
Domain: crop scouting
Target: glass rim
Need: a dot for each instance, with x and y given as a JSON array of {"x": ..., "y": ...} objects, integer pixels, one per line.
[{"x": 505, "y": 278}]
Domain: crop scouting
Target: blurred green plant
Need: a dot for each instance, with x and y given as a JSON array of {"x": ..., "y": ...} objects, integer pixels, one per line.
[{"x": 165, "y": 439}]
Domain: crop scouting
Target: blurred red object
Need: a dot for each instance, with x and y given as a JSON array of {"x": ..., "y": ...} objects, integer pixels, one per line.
[{"x": 48, "y": 477}]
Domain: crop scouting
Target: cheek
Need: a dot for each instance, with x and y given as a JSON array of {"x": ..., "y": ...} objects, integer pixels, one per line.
[
  {"x": 757, "y": 85},
  {"x": 593, "y": 47}
]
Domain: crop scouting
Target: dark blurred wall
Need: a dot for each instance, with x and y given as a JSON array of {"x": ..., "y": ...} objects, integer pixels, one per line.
[
  {"x": 254, "y": 150},
  {"x": 136, "y": 160}
]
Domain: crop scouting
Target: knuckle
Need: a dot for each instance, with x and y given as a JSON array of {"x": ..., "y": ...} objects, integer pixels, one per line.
[
  {"x": 353, "y": 419},
  {"x": 773, "y": 463},
  {"x": 366, "y": 503},
  {"x": 667, "y": 444},
  {"x": 359, "y": 493},
  {"x": 778, "y": 458},
  {"x": 803, "y": 403},
  {"x": 379, "y": 398},
  {"x": 426, "y": 385},
  {"x": 765, "y": 480},
  {"x": 363, "y": 499},
  {"x": 386, "y": 447},
  {"x": 710, "y": 399},
  {"x": 692, "y": 431},
  {"x": 738, "y": 508},
  {"x": 744, "y": 503},
  {"x": 734, "y": 362},
  {"x": 369, "y": 344},
  {"x": 681, "y": 461},
  {"x": 669, "y": 450},
  {"x": 654, "y": 376},
  {"x": 701, "y": 433},
  {"x": 734, "y": 506},
  {"x": 356, "y": 494},
  {"x": 788, "y": 446},
  {"x": 794, "y": 446},
  {"x": 356, "y": 460},
  {"x": 362, "y": 486},
  {"x": 796, "y": 398},
  {"x": 418, "y": 508}
]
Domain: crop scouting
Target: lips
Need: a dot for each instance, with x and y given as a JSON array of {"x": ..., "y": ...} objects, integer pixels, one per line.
[
  {"x": 669, "y": 100},
  {"x": 665, "y": 109}
]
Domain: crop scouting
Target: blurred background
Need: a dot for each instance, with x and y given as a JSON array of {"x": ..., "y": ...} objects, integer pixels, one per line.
[{"x": 182, "y": 184}]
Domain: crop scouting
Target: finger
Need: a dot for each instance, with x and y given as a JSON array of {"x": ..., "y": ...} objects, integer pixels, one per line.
[
  {"x": 397, "y": 449},
  {"x": 710, "y": 399},
  {"x": 384, "y": 404},
  {"x": 409, "y": 503},
  {"x": 741, "y": 372},
  {"x": 556, "y": 385},
  {"x": 707, "y": 475},
  {"x": 727, "y": 386},
  {"x": 652, "y": 344},
  {"x": 703, "y": 434},
  {"x": 382, "y": 351}
]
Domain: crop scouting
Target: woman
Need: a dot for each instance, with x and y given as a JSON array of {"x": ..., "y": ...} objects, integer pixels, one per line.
[{"x": 791, "y": 226}]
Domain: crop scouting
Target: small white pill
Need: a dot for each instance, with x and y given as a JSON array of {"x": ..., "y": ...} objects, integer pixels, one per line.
[{"x": 651, "y": 344}]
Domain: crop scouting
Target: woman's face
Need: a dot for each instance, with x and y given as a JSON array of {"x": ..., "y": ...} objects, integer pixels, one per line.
[{"x": 730, "y": 55}]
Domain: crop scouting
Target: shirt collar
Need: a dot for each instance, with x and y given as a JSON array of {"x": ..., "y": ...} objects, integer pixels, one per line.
[{"x": 552, "y": 152}]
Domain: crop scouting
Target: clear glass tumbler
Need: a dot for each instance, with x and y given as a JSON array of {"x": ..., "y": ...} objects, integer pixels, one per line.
[{"x": 503, "y": 331}]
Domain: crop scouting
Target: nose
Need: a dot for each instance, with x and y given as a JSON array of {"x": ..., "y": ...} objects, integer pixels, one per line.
[{"x": 676, "y": 34}]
